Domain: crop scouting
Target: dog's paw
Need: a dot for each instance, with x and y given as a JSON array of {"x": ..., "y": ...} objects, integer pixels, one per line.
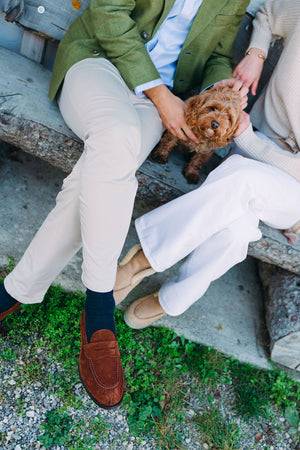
[
  {"x": 160, "y": 156},
  {"x": 192, "y": 175}
]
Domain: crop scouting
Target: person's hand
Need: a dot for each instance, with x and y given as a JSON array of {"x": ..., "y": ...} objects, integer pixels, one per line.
[
  {"x": 244, "y": 123},
  {"x": 172, "y": 112},
  {"x": 238, "y": 86},
  {"x": 248, "y": 71}
]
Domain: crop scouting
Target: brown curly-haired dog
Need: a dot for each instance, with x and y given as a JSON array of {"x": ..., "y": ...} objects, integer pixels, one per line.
[{"x": 214, "y": 117}]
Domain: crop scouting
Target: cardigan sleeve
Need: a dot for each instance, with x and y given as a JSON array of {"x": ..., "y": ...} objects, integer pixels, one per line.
[
  {"x": 118, "y": 35},
  {"x": 266, "y": 151},
  {"x": 264, "y": 26}
]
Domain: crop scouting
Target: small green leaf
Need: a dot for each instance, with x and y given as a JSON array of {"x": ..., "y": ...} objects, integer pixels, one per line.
[{"x": 292, "y": 416}]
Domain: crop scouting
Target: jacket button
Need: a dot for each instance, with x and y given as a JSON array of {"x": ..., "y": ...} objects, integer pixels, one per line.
[
  {"x": 145, "y": 35},
  {"x": 95, "y": 53}
]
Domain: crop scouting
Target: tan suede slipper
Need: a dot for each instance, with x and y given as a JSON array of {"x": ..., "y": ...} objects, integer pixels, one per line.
[
  {"x": 143, "y": 312},
  {"x": 131, "y": 271}
]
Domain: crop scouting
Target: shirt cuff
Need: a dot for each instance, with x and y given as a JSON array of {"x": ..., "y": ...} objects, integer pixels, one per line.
[
  {"x": 139, "y": 90},
  {"x": 207, "y": 87}
]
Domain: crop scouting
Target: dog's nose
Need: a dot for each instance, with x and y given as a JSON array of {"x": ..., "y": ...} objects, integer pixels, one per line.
[{"x": 214, "y": 124}]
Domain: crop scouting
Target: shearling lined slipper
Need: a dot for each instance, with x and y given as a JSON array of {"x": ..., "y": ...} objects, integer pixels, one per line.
[
  {"x": 131, "y": 271},
  {"x": 144, "y": 312}
]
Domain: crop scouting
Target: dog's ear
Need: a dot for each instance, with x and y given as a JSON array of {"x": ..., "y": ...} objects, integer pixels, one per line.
[
  {"x": 235, "y": 116},
  {"x": 194, "y": 103}
]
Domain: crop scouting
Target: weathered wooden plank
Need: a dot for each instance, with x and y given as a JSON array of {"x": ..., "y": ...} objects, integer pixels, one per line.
[
  {"x": 12, "y": 8},
  {"x": 273, "y": 248},
  {"x": 32, "y": 46},
  {"x": 31, "y": 122},
  {"x": 49, "y": 18},
  {"x": 10, "y": 35},
  {"x": 282, "y": 305},
  {"x": 286, "y": 352}
]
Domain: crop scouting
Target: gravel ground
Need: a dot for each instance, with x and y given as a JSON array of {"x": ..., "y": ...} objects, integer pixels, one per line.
[{"x": 23, "y": 408}]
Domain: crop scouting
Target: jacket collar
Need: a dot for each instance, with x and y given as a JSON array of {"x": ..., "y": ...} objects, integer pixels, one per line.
[{"x": 206, "y": 14}]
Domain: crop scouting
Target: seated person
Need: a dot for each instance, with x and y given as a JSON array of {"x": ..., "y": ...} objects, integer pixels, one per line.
[{"x": 213, "y": 225}]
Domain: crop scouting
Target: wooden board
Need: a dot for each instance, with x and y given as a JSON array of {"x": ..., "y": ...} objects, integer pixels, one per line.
[{"x": 31, "y": 122}]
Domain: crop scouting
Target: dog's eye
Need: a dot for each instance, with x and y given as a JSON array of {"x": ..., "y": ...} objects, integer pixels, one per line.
[{"x": 212, "y": 108}]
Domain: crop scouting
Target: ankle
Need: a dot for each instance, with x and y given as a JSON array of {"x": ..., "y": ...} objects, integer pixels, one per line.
[
  {"x": 6, "y": 300},
  {"x": 99, "y": 312}
]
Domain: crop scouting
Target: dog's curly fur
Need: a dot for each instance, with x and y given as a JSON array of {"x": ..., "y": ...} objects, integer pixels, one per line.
[{"x": 214, "y": 117}]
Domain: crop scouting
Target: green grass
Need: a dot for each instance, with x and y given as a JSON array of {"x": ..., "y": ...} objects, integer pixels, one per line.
[
  {"x": 59, "y": 428},
  {"x": 161, "y": 370},
  {"x": 219, "y": 432}
]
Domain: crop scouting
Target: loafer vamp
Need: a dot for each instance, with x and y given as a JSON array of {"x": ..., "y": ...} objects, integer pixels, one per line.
[
  {"x": 9, "y": 311},
  {"x": 104, "y": 361},
  {"x": 100, "y": 367}
]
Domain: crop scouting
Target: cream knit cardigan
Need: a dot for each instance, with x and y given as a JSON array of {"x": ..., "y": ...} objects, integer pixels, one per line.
[{"x": 277, "y": 111}]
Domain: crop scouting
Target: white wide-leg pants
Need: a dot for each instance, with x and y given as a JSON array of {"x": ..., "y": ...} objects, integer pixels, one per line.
[
  {"x": 214, "y": 225},
  {"x": 94, "y": 207}
]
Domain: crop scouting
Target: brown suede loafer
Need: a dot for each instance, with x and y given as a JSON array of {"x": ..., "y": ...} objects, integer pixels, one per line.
[
  {"x": 9, "y": 311},
  {"x": 100, "y": 367},
  {"x": 143, "y": 312}
]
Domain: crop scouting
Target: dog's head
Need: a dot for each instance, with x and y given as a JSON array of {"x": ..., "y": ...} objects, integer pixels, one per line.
[{"x": 214, "y": 115}]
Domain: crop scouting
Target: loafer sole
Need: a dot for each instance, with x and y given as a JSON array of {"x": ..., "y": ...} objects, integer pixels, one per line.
[
  {"x": 133, "y": 325},
  {"x": 138, "y": 327}
]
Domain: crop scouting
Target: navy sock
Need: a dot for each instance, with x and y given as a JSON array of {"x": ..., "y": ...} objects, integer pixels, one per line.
[
  {"x": 6, "y": 300},
  {"x": 99, "y": 312}
]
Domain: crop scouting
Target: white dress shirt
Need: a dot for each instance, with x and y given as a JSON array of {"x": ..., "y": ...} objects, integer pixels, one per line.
[{"x": 165, "y": 46}]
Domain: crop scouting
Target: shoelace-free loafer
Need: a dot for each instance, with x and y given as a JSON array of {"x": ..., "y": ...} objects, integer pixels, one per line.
[
  {"x": 9, "y": 311},
  {"x": 100, "y": 367}
]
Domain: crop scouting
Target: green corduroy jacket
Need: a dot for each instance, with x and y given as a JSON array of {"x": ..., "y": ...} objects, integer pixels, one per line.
[{"x": 118, "y": 30}]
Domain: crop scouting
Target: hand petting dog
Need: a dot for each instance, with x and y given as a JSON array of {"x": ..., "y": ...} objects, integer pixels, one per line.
[
  {"x": 237, "y": 86},
  {"x": 172, "y": 112},
  {"x": 213, "y": 117}
]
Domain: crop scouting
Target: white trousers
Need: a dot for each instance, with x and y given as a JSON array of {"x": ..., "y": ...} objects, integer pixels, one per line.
[
  {"x": 214, "y": 224},
  {"x": 94, "y": 207}
]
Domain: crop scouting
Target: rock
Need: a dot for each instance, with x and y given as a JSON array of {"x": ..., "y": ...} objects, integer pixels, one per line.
[
  {"x": 258, "y": 437},
  {"x": 282, "y": 304}
]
